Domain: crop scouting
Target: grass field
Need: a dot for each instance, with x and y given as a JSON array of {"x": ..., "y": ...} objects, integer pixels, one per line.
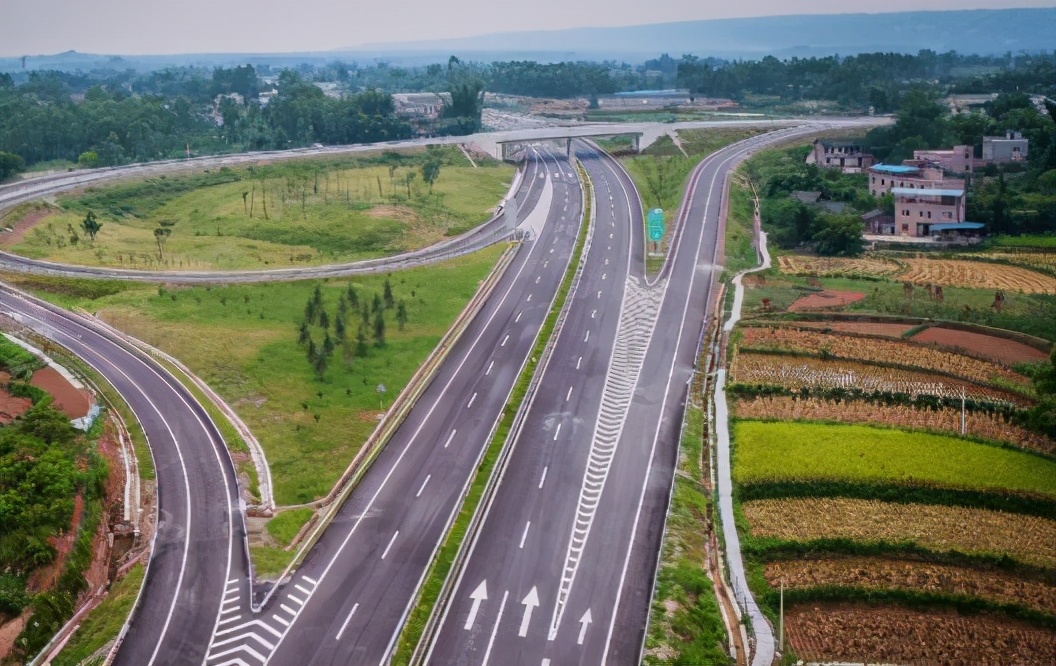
[
  {"x": 803, "y": 451},
  {"x": 297, "y": 213},
  {"x": 104, "y": 622},
  {"x": 243, "y": 341}
]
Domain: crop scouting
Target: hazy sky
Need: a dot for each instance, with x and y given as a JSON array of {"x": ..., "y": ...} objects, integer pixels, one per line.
[{"x": 35, "y": 27}]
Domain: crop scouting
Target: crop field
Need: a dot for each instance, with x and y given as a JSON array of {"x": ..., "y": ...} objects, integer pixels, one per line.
[
  {"x": 1045, "y": 261},
  {"x": 767, "y": 451},
  {"x": 895, "y": 635},
  {"x": 796, "y": 372},
  {"x": 795, "y": 264},
  {"x": 978, "y": 424},
  {"x": 1028, "y": 539},
  {"x": 882, "y": 352},
  {"x": 977, "y": 275},
  {"x": 878, "y": 573},
  {"x": 1000, "y": 350},
  {"x": 292, "y": 214},
  {"x": 858, "y": 327}
]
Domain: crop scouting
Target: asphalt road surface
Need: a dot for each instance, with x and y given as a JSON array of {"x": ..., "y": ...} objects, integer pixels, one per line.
[
  {"x": 346, "y": 603},
  {"x": 567, "y": 553},
  {"x": 200, "y": 537}
]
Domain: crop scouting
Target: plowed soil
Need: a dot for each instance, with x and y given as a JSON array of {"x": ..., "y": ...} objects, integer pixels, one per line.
[
  {"x": 889, "y": 634},
  {"x": 825, "y": 300},
  {"x": 1001, "y": 350},
  {"x": 860, "y": 327},
  {"x": 11, "y": 407}
]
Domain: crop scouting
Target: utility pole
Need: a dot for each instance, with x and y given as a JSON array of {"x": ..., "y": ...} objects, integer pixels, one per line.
[
  {"x": 781, "y": 621},
  {"x": 964, "y": 425}
]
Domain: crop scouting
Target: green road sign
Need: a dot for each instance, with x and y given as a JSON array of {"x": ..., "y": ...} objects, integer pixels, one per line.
[{"x": 655, "y": 221}]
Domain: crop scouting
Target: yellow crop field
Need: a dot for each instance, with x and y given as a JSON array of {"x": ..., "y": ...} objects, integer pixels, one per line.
[
  {"x": 977, "y": 275},
  {"x": 974, "y": 531},
  {"x": 837, "y": 266}
]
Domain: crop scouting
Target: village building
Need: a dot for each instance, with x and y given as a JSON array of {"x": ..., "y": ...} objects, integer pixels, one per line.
[
  {"x": 916, "y": 210},
  {"x": 847, "y": 156}
]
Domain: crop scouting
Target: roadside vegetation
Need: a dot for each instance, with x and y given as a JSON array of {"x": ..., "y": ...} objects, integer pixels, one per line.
[
  {"x": 286, "y": 214},
  {"x": 104, "y": 622}
]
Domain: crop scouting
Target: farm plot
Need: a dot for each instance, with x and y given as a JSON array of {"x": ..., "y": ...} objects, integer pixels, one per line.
[
  {"x": 781, "y": 451},
  {"x": 887, "y": 634},
  {"x": 878, "y": 573},
  {"x": 1029, "y": 539},
  {"x": 1042, "y": 260},
  {"x": 977, "y": 424},
  {"x": 796, "y": 372},
  {"x": 883, "y": 352},
  {"x": 837, "y": 267},
  {"x": 1000, "y": 350},
  {"x": 979, "y": 275},
  {"x": 858, "y": 327}
]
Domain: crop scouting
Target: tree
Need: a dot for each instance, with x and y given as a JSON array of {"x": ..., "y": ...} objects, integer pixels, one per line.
[
  {"x": 361, "y": 343},
  {"x": 376, "y": 305},
  {"x": 91, "y": 225},
  {"x": 431, "y": 170},
  {"x": 353, "y": 297},
  {"x": 161, "y": 235},
  {"x": 379, "y": 329},
  {"x": 387, "y": 294},
  {"x": 303, "y": 334},
  {"x": 339, "y": 329},
  {"x": 324, "y": 319},
  {"x": 839, "y": 235},
  {"x": 10, "y": 164},
  {"x": 319, "y": 364},
  {"x": 401, "y": 314},
  {"x": 89, "y": 159}
]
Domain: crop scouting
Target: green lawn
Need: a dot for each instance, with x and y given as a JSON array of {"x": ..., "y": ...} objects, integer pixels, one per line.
[
  {"x": 294, "y": 213},
  {"x": 243, "y": 341},
  {"x": 777, "y": 451}
]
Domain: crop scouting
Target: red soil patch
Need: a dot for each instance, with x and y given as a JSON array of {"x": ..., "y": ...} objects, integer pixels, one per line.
[
  {"x": 19, "y": 229},
  {"x": 45, "y": 577},
  {"x": 11, "y": 407},
  {"x": 998, "y": 349},
  {"x": 863, "y": 328},
  {"x": 824, "y": 300},
  {"x": 69, "y": 400}
]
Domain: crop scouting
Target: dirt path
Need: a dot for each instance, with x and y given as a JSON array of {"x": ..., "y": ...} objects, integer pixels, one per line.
[{"x": 21, "y": 227}]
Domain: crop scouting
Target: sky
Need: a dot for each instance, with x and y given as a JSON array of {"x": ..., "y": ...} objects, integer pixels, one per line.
[{"x": 141, "y": 27}]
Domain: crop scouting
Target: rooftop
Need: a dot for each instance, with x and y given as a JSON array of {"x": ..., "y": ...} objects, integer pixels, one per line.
[
  {"x": 957, "y": 226},
  {"x": 923, "y": 191},
  {"x": 895, "y": 168}
]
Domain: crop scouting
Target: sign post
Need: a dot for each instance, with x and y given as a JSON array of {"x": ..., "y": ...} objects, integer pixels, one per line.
[{"x": 655, "y": 226}]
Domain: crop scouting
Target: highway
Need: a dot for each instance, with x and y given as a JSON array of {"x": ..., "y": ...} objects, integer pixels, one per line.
[
  {"x": 347, "y": 601},
  {"x": 568, "y": 549},
  {"x": 200, "y": 538}
]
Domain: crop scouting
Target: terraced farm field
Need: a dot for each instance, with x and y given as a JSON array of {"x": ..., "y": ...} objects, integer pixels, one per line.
[
  {"x": 796, "y": 372},
  {"x": 846, "y": 633},
  {"x": 1000, "y": 350},
  {"x": 882, "y": 352},
  {"x": 879, "y": 573},
  {"x": 837, "y": 266},
  {"x": 854, "y": 453},
  {"x": 978, "y": 424},
  {"x": 979, "y": 275},
  {"x": 1028, "y": 539}
]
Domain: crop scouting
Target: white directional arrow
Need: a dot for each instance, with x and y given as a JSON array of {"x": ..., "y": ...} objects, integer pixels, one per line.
[
  {"x": 583, "y": 623},
  {"x": 530, "y": 602},
  {"x": 478, "y": 595}
]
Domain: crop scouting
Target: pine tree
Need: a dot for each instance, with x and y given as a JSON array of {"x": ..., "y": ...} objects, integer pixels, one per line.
[
  {"x": 379, "y": 329},
  {"x": 353, "y": 297},
  {"x": 339, "y": 329},
  {"x": 376, "y": 306},
  {"x": 401, "y": 314},
  {"x": 361, "y": 343},
  {"x": 302, "y": 333},
  {"x": 324, "y": 319},
  {"x": 387, "y": 294}
]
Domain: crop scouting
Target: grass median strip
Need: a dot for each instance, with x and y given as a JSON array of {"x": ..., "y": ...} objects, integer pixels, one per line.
[{"x": 442, "y": 565}]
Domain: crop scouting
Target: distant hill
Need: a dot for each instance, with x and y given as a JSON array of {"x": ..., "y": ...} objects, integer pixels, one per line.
[{"x": 980, "y": 31}]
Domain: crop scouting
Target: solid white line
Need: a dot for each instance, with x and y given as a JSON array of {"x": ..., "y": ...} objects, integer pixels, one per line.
[
  {"x": 543, "y": 479},
  {"x": 569, "y": 394},
  {"x": 490, "y": 365},
  {"x": 470, "y": 403},
  {"x": 495, "y": 629},
  {"x": 557, "y": 432},
  {"x": 525, "y": 535},
  {"x": 452, "y": 435},
  {"x": 427, "y": 477},
  {"x": 390, "y": 544},
  {"x": 345, "y": 623}
]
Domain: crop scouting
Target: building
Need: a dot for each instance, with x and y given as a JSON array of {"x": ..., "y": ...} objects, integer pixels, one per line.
[
  {"x": 848, "y": 156},
  {"x": 959, "y": 159},
  {"x": 1011, "y": 147},
  {"x": 419, "y": 105},
  {"x": 885, "y": 177},
  {"x": 877, "y": 222},
  {"x": 916, "y": 210}
]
